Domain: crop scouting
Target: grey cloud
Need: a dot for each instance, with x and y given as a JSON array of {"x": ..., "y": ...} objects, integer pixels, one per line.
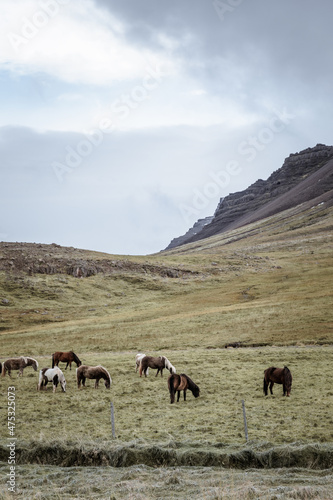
[{"x": 276, "y": 43}]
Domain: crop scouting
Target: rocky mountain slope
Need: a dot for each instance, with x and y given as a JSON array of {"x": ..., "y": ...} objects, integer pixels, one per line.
[{"x": 303, "y": 177}]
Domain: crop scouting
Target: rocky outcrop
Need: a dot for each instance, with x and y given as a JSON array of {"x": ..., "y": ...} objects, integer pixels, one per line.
[
  {"x": 33, "y": 259},
  {"x": 198, "y": 226},
  {"x": 302, "y": 177}
]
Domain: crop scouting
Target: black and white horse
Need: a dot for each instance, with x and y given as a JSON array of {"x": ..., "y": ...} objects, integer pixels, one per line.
[{"x": 53, "y": 375}]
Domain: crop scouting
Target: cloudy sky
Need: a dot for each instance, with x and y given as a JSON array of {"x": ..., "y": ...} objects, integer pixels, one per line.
[{"x": 124, "y": 121}]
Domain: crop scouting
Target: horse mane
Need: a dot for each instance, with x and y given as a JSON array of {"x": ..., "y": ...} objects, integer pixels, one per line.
[
  {"x": 32, "y": 361},
  {"x": 167, "y": 364},
  {"x": 191, "y": 385},
  {"x": 104, "y": 370},
  {"x": 76, "y": 359}
]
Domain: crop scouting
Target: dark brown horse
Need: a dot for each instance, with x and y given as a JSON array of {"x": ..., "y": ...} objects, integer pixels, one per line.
[
  {"x": 277, "y": 376},
  {"x": 18, "y": 364},
  {"x": 65, "y": 357},
  {"x": 182, "y": 382},
  {"x": 92, "y": 372},
  {"x": 158, "y": 364}
]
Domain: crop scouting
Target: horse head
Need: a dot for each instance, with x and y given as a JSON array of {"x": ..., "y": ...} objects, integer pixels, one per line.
[
  {"x": 62, "y": 383},
  {"x": 196, "y": 391}
]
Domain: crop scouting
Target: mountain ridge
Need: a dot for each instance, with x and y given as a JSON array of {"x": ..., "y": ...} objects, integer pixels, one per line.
[{"x": 303, "y": 176}]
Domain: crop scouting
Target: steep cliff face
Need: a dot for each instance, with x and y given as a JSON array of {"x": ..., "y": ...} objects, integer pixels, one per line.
[{"x": 302, "y": 177}]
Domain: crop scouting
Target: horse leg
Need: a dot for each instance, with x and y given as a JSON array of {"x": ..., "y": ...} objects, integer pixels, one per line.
[
  {"x": 96, "y": 383},
  {"x": 70, "y": 365},
  {"x": 157, "y": 372},
  {"x": 271, "y": 387},
  {"x": 178, "y": 396},
  {"x": 66, "y": 366},
  {"x": 184, "y": 394},
  {"x": 161, "y": 372}
]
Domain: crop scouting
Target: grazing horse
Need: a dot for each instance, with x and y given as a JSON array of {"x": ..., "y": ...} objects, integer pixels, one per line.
[
  {"x": 157, "y": 364},
  {"x": 182, "y": 382},
  {"x": 65, "y": 357},
  {"x": 278, "y": 376},
  {"x": 18, "y": 364},
  {"x": 51, "y": 374},
  {"x": 92, "y": 372}
]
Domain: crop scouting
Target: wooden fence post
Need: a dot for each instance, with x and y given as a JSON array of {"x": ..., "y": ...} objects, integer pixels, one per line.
[
  {"x": 112, "y": 421},
  {"x": 245, "y": 424}
]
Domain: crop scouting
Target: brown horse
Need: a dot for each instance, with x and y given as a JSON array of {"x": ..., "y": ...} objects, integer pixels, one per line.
[
  {"x": 65, "y": 357},
  {"x": 92, "y": 372},
  {"x": 18, "y": 364},
  {"x": 157, "y": 364},
  {"x": 277, "y": 376},
  {"x": 182, "y": 382}
]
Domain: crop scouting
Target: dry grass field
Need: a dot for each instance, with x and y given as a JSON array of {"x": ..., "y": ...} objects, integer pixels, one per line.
[{"x": 267, "y": 286}]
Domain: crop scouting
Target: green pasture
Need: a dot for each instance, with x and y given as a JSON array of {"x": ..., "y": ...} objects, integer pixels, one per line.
[{"x": 142, "y": 406}]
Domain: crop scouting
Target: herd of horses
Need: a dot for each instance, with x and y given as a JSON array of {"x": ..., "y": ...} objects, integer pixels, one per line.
[
  {"x": 54, "y": 374},
  {"x": 176, "y": 383},
  {"x": 182, "y": 382}
]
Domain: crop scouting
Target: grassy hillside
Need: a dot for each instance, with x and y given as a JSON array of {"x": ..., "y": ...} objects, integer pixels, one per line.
[
  {"x": 266, "y": 286},
  {"x": 267, "y": 283}
]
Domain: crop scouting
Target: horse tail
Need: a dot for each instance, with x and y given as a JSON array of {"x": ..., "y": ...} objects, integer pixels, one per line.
[
  {"x": 78, "y": 376},
  {"x": 287, "y": 378},
  {"x": 143, "y": 365},
  {"x": 40, "y": 380},
  {"x": 52, "y": 360},
  {"x": 265, "y": 388},
  {"x": 171, "y": 386}
]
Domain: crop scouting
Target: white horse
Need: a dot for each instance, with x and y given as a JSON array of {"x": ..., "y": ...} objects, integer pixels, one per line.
[
  {"x": 51, "y": 374},
  {"x": 138, "y": 359}
]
